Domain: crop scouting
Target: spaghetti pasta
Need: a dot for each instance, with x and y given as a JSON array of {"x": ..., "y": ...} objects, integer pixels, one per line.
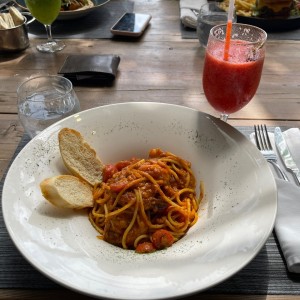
[{"x": 143, "y": 197}]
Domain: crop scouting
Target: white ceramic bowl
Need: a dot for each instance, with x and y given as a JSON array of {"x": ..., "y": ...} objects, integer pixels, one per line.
[{"x": 236, "y": 217}]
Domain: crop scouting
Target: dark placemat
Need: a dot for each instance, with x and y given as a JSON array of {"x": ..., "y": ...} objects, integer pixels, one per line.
[
  {"x": 265, "y": 274},
  {"x": 289, "y": 32},
  {"x": 190, "y": 33},
  {"x": 95, "y": 25}
]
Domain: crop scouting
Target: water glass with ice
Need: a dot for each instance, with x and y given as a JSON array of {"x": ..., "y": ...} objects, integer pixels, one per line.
[
  {"x": 44, "y": 100},
  {"x": 210, "y": 14}
]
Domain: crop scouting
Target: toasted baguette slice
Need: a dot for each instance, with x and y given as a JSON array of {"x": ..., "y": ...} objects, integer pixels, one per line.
[
  {"x": 79, "y": 157},
  {"x": 3, "y": 24},
  {"x": 8, "y": 20},
  {"x": 16, "y": 16},
  {"x": 67, "y": 191}
]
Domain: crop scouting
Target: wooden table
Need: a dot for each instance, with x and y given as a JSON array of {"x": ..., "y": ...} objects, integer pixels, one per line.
[{"x": 159, "y": 67}]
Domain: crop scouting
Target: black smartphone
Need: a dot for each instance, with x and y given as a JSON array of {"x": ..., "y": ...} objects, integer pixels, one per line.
[{"x": 131, "y": 24}]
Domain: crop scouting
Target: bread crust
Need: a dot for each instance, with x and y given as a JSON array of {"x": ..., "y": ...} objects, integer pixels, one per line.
[
  {"x": 17, "y": 17},
  {"x": 76, "y": 190},
  {"x": 79, "y": 157},
  {"x": 67, "y": 191}
]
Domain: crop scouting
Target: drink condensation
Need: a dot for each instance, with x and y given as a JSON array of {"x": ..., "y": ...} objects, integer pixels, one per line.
[{"x": 37, "y": 113}]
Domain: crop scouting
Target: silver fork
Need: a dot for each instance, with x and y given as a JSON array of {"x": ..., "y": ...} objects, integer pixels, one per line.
[{"x": 263, "y": 143}]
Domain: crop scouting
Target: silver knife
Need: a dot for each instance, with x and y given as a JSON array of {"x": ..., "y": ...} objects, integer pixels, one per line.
[{"x": 286, "y": 154}]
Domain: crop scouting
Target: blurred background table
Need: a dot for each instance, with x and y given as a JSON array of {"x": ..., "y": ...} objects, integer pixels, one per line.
[{"x": 158, "y": 67}]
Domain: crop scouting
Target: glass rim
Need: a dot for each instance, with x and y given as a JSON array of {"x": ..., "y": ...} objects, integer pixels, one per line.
[
  {"x": 262, "y": 41},
  {"x": 69, "y": 89}
]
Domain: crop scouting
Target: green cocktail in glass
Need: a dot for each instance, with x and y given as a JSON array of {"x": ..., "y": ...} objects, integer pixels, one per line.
[{"x": 46, "y": 11}]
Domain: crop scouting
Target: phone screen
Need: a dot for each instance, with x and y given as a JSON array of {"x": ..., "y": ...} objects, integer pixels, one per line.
[{"x": 132, "y": 22}]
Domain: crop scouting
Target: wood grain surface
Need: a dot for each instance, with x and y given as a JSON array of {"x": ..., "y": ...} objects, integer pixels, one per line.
[{"x": 158, "y": 67}]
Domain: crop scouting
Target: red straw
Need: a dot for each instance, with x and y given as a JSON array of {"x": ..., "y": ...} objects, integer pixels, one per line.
[
  {"x": 228, "y": 30},
  {"x": 227, "y": 40}
]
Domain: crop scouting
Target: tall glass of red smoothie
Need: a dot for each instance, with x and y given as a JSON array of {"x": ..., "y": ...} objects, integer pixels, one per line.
[{"x": 230, "y": 82}]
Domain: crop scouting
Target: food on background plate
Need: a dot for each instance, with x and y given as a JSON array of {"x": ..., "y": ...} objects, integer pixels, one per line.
[
  {"x": 143, "y": 204},
  {"x": 274, "y": 8},
  {"x": 11, "y": 19},
  {"x": 70, "y": 5},
  {"x": 264, "y": 8},
  {"x": 242, "y": 7}
]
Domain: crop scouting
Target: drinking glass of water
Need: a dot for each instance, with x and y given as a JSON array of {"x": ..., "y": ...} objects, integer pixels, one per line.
[
  {"x": 210, "y": 14},
  {"x": 44, "y": 100}
]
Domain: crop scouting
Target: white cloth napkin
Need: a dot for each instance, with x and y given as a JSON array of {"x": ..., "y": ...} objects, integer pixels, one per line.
[
  {"x": 287, "y": 223},
  {"x": 187, "y": 16}
]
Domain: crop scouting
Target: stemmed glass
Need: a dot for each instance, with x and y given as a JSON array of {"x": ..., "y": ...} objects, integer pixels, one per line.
[
  {"x": 46, "y": 11},
  {"x": 230, "y": 82}
]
